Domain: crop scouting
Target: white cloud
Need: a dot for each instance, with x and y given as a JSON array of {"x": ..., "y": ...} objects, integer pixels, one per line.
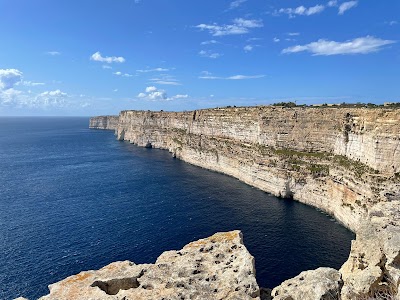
[
  {"x": 9, "y": 78},
  {"x": 332, "y": 3},
  {"x": 209, "y": 42},
  {"x": 107, "y": 59},
  {"x": 30, "y": 83},
  {"x": 150, "y": 89},
  {"x": 165, "y": 79},
  {"x": 153, "y": 70},
  {"x": 276, "y": 40},
  {"x": 293, "y": 33},
  {"x": 241, "y": 77},
  {"x": 346, "y": 6},
  {"x": 301, "y": 10},
  {"x": 180, "y": 96},
  {"x": 166, "y": 82},
  {"x": 362, "y": 45},
  {"x": 10, "y": 97},
  {"x": 48, "y": 99},
  {"x": 239, "y": 26},
  {"x": 152, "y": 93},
  {"x": 122, "y": 74},
  {"x": 106, "y": 67},
  {"x": 53, "y": 53},
  {"x": 209, "y": 54},
  {"x": 236, "y": 4},
  {"x": 248, "y": 48},
  {"x": 207, "y": 75}
]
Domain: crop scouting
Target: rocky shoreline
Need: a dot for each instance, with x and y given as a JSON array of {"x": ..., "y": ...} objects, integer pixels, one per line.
[{"x": 344, "y": 161}]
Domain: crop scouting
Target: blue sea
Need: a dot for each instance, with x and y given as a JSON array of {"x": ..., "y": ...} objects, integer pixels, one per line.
[{"x": 74, "y": 199}]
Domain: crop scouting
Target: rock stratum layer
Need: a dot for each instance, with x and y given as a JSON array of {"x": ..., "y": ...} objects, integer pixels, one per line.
[{"x": 344, "y": 161}]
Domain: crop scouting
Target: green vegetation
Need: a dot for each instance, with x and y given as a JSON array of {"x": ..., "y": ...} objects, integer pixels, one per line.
[{"x": 285, "y": 104}]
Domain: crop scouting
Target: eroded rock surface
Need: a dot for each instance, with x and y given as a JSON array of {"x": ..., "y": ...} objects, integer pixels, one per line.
[
  {"x": 104, "y": 122},
  {"x": 218, "y": 267},
  {"x": 319, "y": 284},
  {"x": 373, "y": 268},
  {"x": 344, "y": 161}
]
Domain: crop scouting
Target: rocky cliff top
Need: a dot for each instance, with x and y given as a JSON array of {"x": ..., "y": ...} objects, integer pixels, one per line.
[{"x": 218, "y": 267}]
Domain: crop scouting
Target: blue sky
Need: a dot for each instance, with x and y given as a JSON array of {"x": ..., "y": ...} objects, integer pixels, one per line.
[{"x": 99, "y": 57}]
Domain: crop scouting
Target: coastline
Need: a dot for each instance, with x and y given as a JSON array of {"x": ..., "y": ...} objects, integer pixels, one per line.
[{"x": 343, "y": 161}]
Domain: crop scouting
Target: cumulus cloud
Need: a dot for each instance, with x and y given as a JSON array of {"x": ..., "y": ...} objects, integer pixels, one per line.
[
  {"x": 346, "y": 6},
  {"x": 9, "y": 78},
  {"x": 209, "y": 54},
  {"x": 301, "y": 10},
  {"x": 362, "y": 45},
  {"x": 153, "y": 93},
  {"x": 55, "y": 98},
  {"x": 107, "y": 59},
  {"x": 239, "y": 26},
  {"x": 10, "y": 97},
  {"x": 276, "y": 40}
]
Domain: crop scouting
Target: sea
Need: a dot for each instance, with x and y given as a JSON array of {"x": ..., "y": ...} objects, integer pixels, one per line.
[{"x": 74, "y": 199}]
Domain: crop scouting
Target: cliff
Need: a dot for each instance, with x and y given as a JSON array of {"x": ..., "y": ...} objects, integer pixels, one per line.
[
  {"x": 104, "y": 122},
  {"x": 344, "y": 161}
]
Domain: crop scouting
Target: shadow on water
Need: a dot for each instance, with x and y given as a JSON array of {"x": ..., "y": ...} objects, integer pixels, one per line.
[{"x": 75, "y": 199}]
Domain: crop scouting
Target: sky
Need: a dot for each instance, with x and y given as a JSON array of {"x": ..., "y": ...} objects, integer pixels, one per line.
[{"x": 90, "y": 57}]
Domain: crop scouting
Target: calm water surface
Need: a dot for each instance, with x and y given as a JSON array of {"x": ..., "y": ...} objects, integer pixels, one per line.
[{"x": 74, "y": 199}]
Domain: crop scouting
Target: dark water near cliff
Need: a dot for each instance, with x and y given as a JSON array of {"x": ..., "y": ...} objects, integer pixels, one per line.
[{"x": 73, "y": 199}]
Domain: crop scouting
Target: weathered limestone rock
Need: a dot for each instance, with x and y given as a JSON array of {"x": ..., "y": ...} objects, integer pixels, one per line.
[
  {"x": 341, "y": 160},
  {"x": 373, "y": 268},
  {"x": 319, "y": 284},
  {"x": 344, "y": 161},
  {"x": 104, "y": 122},
  {"x": 218, "y": 267}
]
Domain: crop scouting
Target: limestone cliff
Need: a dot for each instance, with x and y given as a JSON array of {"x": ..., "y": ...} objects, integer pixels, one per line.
[
  {"x": 104, "y": 122},
  {"x": 345, "y": 161}
]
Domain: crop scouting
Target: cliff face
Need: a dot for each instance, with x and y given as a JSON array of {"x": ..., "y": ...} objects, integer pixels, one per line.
[
  {"x": 339, "y": 160},
  {"x": 104, "y": 122},
  {"x": 344, "y": 161}
]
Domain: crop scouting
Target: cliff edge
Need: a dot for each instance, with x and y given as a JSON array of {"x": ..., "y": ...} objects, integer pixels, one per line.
[
  {"x": 344, "y": 161},
  {"x": 218, "y": 267}
]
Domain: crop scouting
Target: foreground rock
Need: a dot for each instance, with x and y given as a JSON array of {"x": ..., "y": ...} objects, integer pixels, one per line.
[
  {"x": 373, "y": 268},
  {"x": 322, "y": 283},
  {"x": 218, "y": 267}
]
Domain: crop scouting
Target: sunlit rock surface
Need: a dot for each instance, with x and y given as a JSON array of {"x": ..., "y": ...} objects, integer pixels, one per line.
[{"x": 218, "y": 267}]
